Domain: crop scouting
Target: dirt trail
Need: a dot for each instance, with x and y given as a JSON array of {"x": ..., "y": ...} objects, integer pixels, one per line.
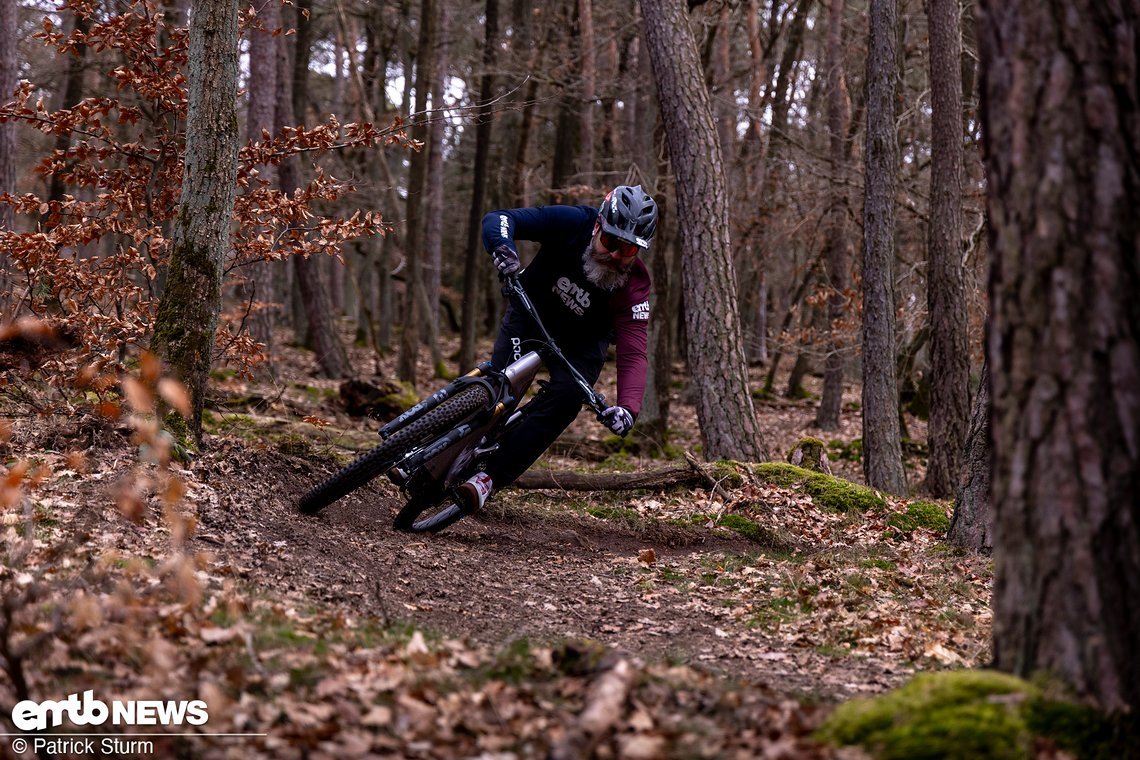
[{"x": 512, "y": 572}]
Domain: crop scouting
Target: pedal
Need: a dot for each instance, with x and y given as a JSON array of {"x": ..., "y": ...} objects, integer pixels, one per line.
[{"x": 397, "y": 476}]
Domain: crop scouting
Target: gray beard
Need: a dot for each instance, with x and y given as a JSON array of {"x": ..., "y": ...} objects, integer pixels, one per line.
[{"x": 602, "y": 276}]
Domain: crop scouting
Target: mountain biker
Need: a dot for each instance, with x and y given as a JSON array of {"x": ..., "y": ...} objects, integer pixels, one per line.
[{"x": 591, "y": 290}]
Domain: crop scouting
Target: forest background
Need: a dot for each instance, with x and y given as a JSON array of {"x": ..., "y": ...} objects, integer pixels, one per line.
[{"x": 371, "y": 137}]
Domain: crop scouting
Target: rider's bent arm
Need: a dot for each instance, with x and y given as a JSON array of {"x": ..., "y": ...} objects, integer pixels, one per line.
[{"x": 541, "y": 224}]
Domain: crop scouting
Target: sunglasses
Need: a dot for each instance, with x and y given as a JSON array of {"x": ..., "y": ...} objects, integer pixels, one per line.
[{"x": 616, "y": 245}]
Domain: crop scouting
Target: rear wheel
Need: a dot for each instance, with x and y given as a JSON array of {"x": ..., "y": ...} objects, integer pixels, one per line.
[{"x": 380, "y": 459}]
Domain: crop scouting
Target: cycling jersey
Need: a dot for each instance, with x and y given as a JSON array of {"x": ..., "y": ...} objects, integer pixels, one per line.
[{"x": 583, "y": 318}]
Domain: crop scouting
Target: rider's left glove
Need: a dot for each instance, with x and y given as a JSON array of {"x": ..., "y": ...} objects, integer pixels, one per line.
[
  {"x": 505, "y": 259},
  {"x": 618, "y": 419}
]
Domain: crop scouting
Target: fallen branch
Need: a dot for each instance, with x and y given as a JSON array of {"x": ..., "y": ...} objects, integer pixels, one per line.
[
  {"x": 699, "y": 469},
  {"x": 604, "y": 708},
  {"x": 606, "y": 481}
]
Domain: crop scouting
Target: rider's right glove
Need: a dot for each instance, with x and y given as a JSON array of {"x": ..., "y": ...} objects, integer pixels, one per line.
[
  {"x": 505, "y": 259},
  {"x": 618, "y": 419}
]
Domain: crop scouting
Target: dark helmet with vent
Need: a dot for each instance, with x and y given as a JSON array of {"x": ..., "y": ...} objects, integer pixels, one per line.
[{"x": 630, "y": 214}]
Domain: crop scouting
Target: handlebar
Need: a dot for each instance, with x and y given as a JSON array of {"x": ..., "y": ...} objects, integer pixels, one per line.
[{"x": 514, "y": 290}]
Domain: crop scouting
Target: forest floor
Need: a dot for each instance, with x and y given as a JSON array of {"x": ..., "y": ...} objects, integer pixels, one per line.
[{"x": 637, "y": 624}]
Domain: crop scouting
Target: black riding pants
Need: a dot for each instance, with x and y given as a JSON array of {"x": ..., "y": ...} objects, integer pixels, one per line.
[{"x": 552, "y": 410}]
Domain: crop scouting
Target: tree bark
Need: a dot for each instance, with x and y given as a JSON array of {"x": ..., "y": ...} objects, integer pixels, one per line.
[
  {"x": 617, "y": 481},
  {"x": 716, "y": 347},
  {"x": 838, "y": 259},
  {"x": 945, "y": 286},
  {"x": 263, "y": 69},
  {"x": 310, "y": 280},
  {"x": 188, "y": 311},
  {"x": 972, "y": 525},
  {"x": 433, "y": 211},
  {"x": 1059, "y": 102},
  {"x": 417, "y": 173},
  {"x": 589, "y": 89},
  {"x": 473, "y": 273},
  {"x": 882, "y": 447},
  {"x": 9, "y": 34}
]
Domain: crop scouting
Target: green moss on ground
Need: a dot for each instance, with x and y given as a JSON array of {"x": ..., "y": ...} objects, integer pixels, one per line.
[
  {"x": 826, "y": 490},
  {"x": 972, "y": 714},
  {"x": 744, "y": 527},
  {"x": 727, "y": 473},
  {"x": 921, "y": 514}
]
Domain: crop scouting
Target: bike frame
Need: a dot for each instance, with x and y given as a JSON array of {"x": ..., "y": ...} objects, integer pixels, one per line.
[{"x": 440, "y": 465}]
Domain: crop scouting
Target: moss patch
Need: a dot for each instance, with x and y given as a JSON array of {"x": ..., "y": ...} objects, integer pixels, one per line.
[
  {"x": 825, "y": 490},
  {"x": 921, "y": 514},
  {"x": 727, "y": 473},
  {"x": 973, "y": 714},
  {"x": 938, "y": 715},
  {"x": 811, "y": 452}
]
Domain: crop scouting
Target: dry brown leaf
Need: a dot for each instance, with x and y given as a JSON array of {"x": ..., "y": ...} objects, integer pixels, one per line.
[
  {"x": 138, "y": 396},
  {"x": 175, "y": 394}
]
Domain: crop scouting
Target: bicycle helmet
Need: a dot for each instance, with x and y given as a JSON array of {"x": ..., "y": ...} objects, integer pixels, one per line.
[{"x": 630, "y": 214}]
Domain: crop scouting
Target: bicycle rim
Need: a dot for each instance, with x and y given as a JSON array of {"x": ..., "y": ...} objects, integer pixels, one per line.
[
  {"x": 380, "y": 459},
  {"x": 428, "y": 518}
]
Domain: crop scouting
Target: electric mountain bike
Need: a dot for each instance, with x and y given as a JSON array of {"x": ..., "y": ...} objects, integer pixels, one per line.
[{"x": 440, "y": 442}]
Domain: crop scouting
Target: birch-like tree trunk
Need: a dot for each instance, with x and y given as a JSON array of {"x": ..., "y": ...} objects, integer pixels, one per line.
[{"x": 715, "y": 345}]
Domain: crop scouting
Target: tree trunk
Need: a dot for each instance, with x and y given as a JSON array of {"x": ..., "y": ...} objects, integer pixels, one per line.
[
  {"x": 589, "y": 89},
  {"x": 838, "y": 260},
  {"x": 263, "y": 69},
  {"x": 188, "y": 311},
  {"x": 433, "y": 212},
  {"x": 310, "y": 279},
  {"x": 473, "y": 273},
  {"x": 9, "y": 34},
  {"x": 972, "y": 524},
  {"x": 945, "y": 287},
  {"x": 1060, "y": 108},
  {"x": 417, "y": 174},
  {"x": 882, "y": 448},
  {"x": 716, "y": 347}
]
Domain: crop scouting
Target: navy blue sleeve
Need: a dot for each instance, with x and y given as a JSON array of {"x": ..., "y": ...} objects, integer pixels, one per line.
[{"x": 542, "y": 224}]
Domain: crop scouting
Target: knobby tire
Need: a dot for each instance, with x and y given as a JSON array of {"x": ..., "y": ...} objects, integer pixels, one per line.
[{"x": 380, "y": 459}]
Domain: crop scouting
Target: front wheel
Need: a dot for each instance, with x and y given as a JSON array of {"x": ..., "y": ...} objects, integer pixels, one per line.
[{"x": 380, "y": 459}]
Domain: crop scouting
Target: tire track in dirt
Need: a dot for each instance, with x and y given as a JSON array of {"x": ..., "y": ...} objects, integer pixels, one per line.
[{"x": 508, "y": 574}]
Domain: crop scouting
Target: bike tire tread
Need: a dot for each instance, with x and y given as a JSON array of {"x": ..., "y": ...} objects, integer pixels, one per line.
[{"x": 380, "y": 459}]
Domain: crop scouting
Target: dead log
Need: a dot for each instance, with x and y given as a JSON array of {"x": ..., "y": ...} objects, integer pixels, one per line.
[
  {"x": 605, "y": 706},
  {"x": 607, "y": 481}
]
